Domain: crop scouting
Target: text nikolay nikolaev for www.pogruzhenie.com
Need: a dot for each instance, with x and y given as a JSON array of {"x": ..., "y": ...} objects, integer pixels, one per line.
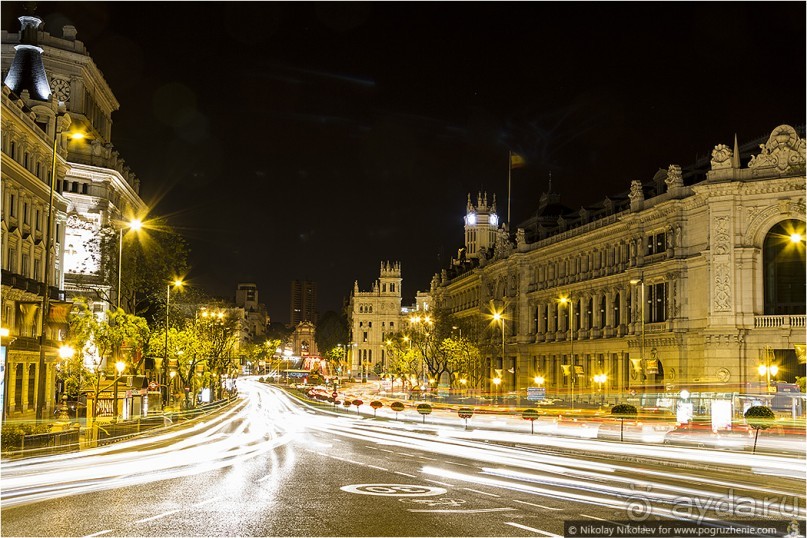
[{"x": 674, "y": 529}]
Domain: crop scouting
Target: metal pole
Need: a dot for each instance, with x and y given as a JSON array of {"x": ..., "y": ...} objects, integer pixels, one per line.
[
  {"x": 120, "y": 262},
  {"x": 165, "y": 354},
  {"x": 42, "y": 379},
  {"x": 573, "y": 372}
]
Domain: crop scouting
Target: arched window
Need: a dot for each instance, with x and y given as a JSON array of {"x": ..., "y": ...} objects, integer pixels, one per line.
[{"x": 784, "y": 268}]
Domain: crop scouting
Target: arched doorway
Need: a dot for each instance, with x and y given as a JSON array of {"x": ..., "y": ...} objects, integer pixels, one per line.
[{"x": 783, "y": 268}]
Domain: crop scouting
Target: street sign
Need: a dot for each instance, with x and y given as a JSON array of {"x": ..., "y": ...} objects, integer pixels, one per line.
[
  {"x": 536, "y": 393},
  {"x": 335, "y": 394}
]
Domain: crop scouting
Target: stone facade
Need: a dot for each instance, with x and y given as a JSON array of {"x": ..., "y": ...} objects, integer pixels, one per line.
[
  {"x": 665, "y": 285},
  {"x": 373, "y": 315}
]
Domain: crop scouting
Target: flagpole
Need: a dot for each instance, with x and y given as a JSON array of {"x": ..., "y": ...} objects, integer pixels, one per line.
[{"x": 509, "y": 174}]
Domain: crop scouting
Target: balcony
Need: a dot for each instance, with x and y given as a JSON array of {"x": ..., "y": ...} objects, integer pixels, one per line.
[
  {"x": 29, "y": 285},
  {"x": 783, "y": 320}
]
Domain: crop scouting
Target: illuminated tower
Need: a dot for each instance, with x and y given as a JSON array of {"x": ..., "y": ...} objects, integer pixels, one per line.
[{"x": 481, "y": 222}]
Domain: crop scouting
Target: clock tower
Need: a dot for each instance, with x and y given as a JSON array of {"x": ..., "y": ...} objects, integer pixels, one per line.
[{"x": 481, "y": 222}]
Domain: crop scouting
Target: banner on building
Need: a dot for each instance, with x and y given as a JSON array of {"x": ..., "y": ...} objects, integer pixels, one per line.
[{"x": 651, "y": 366}]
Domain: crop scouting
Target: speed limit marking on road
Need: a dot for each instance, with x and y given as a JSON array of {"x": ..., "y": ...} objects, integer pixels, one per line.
[{"x": 393, "y": 490}]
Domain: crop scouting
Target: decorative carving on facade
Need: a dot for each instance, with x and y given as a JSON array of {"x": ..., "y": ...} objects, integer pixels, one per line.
[
  {"x": 75, "y": 221},
  {"x": 636, "y": 194},
  {"x": 722, "y": 288},
  {"x": 675, "y": 177},
  {"x": 721, "y": 157},
  {"x": 791, "y": 209},
  {"x": 784, "y": 150},
  {"x": 521, "y": 237},
  {"x": 503, "y": 247},
  {"x": 721, "y": 235}
]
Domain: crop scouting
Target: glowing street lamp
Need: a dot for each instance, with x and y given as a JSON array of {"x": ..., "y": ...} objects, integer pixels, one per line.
[
  {"x": 568, "y": 301},
  {"x": 135, "y": 225},
  {"x": 178, "y": 283},
  {"x": 600, "y": 379},
  {"x": 496, "y": 382},
  {"x": 120, "y": 366},
  {"x": 62, "y": 121}
]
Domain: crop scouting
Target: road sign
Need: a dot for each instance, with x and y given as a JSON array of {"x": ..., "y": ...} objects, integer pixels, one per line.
[
  {"x": 335, "y": 394},
  {"x": 536, "y": 393}
]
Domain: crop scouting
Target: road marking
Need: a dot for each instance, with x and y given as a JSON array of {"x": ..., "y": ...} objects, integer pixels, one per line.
[
  {"x": 385, "y": 450},
  {"x": 436, "y": 482},
  {"x": 406, "y": 454},
  {"x": 99, "y": 533},
  {"x": 377, "y": 467},
  {"x": 482, "y": 492},
  {"x": 208, "y": 501},
  {"x": 323, "y": 454},
  {"x": 539, "y": 531},
  {"x": 372, "y": 447},
  {"x": 406, "y": 474},
  {"x": 425, "y": 458},
  {"x": 394, "y": 490},
  {"x": 537, "y": 505},
  {"x": 456, "y": 463},
  {"x": 158, "y": 516},
  {"x": 477, "y": 511},
  {"x": 597, "y": 518},
  {"x": 267, "y": 477},
  {"x": 356, "y": 462}
]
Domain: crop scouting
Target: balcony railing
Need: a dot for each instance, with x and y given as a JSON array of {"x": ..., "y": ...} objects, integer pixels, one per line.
[{"x": 783, "y": 320}]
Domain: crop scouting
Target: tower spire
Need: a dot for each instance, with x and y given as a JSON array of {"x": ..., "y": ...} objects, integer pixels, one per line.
[{"x": 735, "y": 158}]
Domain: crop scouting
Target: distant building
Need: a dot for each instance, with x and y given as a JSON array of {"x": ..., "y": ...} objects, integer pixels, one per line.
[
  {"x": 255, "y": 317},
  {"x": 373, "y": 315},
  {"x": 303, "y": 343},
  {"x": 303, "y": 302}
]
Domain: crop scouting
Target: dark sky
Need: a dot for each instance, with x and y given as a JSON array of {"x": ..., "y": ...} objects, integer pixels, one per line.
[{"x": 314, "y": 140}]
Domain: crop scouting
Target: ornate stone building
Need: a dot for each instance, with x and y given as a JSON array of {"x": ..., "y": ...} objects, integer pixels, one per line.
[
  {"x": 373, "y": 315},
  {"x": 693, "y": 279},
  {"x": 100, "y": 188},
  {"x": 52, "y": 86}
]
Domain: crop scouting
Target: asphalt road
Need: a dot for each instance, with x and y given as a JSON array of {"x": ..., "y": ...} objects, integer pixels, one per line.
[{"x": 275, "y": 466}]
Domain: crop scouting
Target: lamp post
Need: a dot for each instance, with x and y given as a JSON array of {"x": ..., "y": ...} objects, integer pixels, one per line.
[
  {"x": 572, "y": 372},
  {"x": 135, "y": 226},
  {"x": 768, "y": 371},
  {"x": 499, "y": 316},
  {"x": 119, "y": 366},
  {"x": 640, "y": 282},
  {"x": 178, "y": 283},
  {"x": 172, "y": 375},
  {"x": 497, "y": 381},
  {"x": 600, "y": 379},
  {"x": 62, "y": 120}
]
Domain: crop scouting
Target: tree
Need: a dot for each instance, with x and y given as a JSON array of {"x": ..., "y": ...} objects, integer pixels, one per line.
[
  {"x": 332, "y": 330},
  {"x": 149, "y": 258},
  {"x": 466, "y": 413},
  {"x": 424, "y": 409},
  {"x": 532, "y": 415},
  {"x": 623, "y": 411},
  {"x": 376, "y": 405},
  {"x": 397, "y": 407},
  {"x": 759, "y": 417},
  {"x": 118, "y": 336}
]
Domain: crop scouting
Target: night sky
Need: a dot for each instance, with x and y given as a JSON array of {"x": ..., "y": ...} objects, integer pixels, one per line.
[{"x": 314, "y": 140}]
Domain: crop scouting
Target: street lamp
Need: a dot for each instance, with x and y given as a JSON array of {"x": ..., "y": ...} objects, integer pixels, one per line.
[
  {"x": 567, "y": 300},
  {"x": 496, "y": 382},
  {"x": 170, "y": 388},
  {"x": 499, "y": 316},
  {"x": 768, "y": 371},
  {"x": 178, "y": 283},
  {"x": 600, "y": 379},
  {"x": 135, "y": 226},
  {"x": 119, "y": 366},
  {"x": 62, "y": 121},
  {"x": 640, "y": 281}
]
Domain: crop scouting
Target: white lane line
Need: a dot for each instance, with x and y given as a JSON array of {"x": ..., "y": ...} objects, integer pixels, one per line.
[
  {"x": 385, "y": 450},
  {"x": 482, "y": 492},
  {"x": 377, "y": 467},
  {"x": 425, "y": 458},
  {"x": 352, "y": 461},
  {"x": 372, "y": 447},
  {"x": 323, "y": 454},
  {"x": 406, "y": 454},
  {"x": 537, "y": 505},
  {"x": 267, "y": 477},
  {"x": 531, "y": 529},
  {"x": 208, "y": 501},
  {"x": 456, "y": 463},
  {"x": 477, "y": 511},
  {"x": 436, "y": 482},
  {"x": 597, "y": 518},
  {"x": 99, "y": 533},
  {"x": 158, "y": 516},
  {"x": 405, "y": 474}
]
